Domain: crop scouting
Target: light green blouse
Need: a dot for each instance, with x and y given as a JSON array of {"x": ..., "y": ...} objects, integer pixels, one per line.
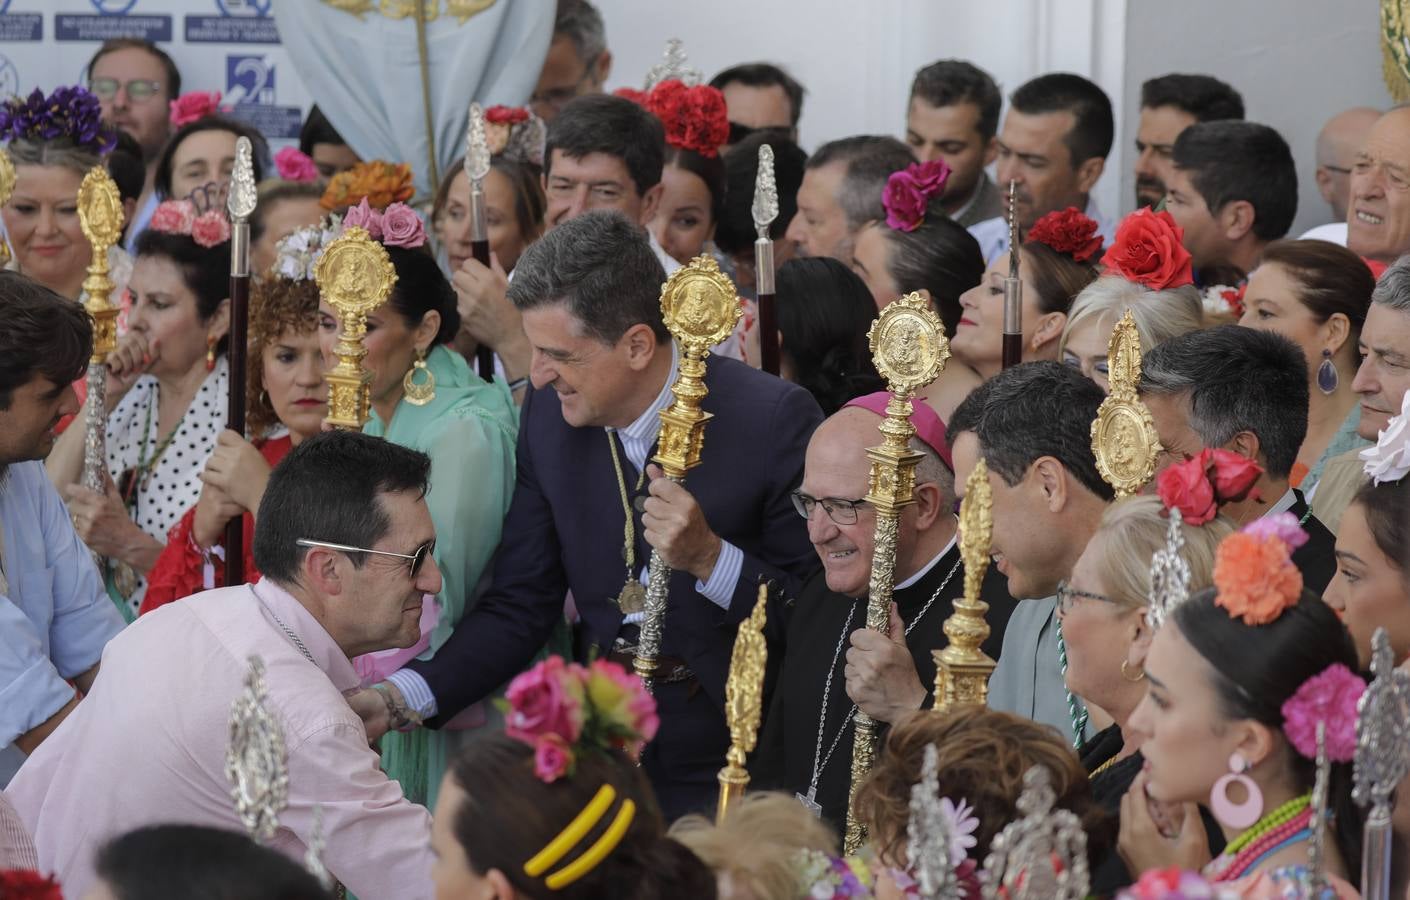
[{"x": 469, "y": 430}]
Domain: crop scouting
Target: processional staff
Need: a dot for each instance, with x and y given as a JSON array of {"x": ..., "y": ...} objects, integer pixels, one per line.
[
  {"x": 962, "y": 669},
  {"x": 1124, "y": 439},
  {"x": 100, "y": 217},
  {"x": 700, "y": 307},
  {"x": 1013, "y": 290},
  {"x": 765, "y": 210},
  {"x": 909, "y": 348},
  {"x": 7, "y": 187},
  {"x": 241, "y": 203},
  {"x": 355, "y": 275},
  {"x": 744, "y": 702},
  {"x": 1382, "y": 762},
  {"x": 477, "y": 168}
]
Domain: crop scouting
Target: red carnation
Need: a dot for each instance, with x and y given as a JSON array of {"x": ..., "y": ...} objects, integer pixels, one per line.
[
  {"x": 506, "y": 115},
  {"x": 1068, "y": 231},
  {"x": 694, "y": 117},
  {"x": 1149, "y": 249}
]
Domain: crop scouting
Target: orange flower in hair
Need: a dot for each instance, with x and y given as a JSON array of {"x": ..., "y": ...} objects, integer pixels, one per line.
[
  {"x": 1255, "y": 577},
  {"x": 379, "y": 182}
]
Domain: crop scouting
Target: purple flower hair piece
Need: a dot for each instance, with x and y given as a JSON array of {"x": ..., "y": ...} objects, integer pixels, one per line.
[
  {"x": 1283, "y": 526},
  {"x": 70, "y": 112}
]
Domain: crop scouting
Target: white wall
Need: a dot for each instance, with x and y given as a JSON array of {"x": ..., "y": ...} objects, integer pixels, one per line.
[{"x": 1296, "y": 62}]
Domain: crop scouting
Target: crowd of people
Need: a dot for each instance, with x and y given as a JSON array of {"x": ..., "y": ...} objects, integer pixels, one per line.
[{"x": 446, "y": 605}]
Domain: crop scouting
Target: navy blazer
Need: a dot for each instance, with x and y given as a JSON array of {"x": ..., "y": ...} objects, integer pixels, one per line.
[{"x": 564, "y": 532}]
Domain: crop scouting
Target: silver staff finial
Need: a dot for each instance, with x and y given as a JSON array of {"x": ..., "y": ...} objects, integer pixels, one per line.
[
  {"x": 241, "y": 199},
  {"x": 928, "y": 837},
  {"x": 477, "y": 146},
  {"x": 1170, "y": 574},
  {"x": 673, "y": 64},
  {"x": 1041, "y": 855},
  {"x": 1316, "y": 848},
  {"x": 1013, "y": 228},
  {"x": 765, "y": 208},
  {"x": 1382, "y": 728},
  {"x": 256, "y": 762}
]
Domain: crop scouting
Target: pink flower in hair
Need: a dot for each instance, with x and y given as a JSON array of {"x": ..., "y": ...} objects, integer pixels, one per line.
[
  {"x": 295, "y": 165},
  {"x": 553, "y": 758},
  {"x": 1283, "y": 526},
  {"x": 210, "y": 228},
  {"x": 401, "y": 227},
  {"x": 1329, "y": 697},
  {"x": 193, "y": 105},
  {"x": 364, "y": 216},
  {"x": 174, "y": 217},
  {"x": 909, "y": 191},
  {"x": 547, "y": 699}
]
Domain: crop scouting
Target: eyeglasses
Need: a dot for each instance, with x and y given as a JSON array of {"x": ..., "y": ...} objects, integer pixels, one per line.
[
  {"x": 138, "y": 91},
  {"x": 554, "y": 99},
  {"x": 418, "y": 557},
  {"x": 843, "y": 512},
  {"x": 1066, "y": 594}
]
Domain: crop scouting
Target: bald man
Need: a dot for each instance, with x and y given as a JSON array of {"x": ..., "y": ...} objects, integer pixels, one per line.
[
  {"x": 1338, "y": 142},
  {"x": 831, "y": 663}
]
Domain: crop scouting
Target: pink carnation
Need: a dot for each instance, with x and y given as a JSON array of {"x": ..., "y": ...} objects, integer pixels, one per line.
[
  {"x": 210, "y": 228},
  {"x": 1283, "y": 526},
  {"x": 364, "y": 216},
  {"x": 295, "y": 165},
  {"x": 541, "y": 702},
  {"x": 174, "y": 217},
  {"x": 1331, "y": 697},
  {"x": 401, "y": 227},
  {"x": 193, "y": 105},
  {"x": 552, "y": 758}
]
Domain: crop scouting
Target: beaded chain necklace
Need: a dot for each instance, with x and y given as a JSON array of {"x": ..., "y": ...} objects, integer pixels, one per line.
[{"x": 1284, "y": 825}]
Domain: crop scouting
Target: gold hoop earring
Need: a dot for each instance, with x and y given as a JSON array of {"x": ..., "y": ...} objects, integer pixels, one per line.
[
  {"x": 1126, "y": 675},
  {"x": 423, "y": 393}
]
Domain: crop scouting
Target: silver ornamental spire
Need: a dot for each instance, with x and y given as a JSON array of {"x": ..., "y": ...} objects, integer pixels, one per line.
[
  {"x": 928, "y": 837},
  {"x": 241, "y": 200},
  {"x": 1041, "y": 855},
  {"x": 765, "y": 208},
  {"x": 1316, "y": 848},
  {"x": 256, "y": 762},
  {"x": 477, "y": 146},
  {"x": 673, "y": 64},
  {"x": 1170, "y": 574},
  {"x": 1382, "y": 728}
]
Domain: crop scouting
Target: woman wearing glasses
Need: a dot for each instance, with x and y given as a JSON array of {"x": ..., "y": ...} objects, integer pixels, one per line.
[{"x": 1103, "y": 612}]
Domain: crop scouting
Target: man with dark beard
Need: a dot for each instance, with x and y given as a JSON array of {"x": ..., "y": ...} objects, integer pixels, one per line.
[{"x": 1169, "y": 105}]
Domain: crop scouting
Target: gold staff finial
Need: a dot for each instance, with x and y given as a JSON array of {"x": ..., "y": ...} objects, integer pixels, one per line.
[
  {"x": 355, "y": 275},
  {"x": 700, "y": 308},
  {"x": 1124, "y": 438},
  {"x": 7, "y": 187},
  {"x": 962, "y": 669},
  {"x": 744, "y": 702},
  {"x": 100, "y": 217},
  {"x": 909, "y": 348}
]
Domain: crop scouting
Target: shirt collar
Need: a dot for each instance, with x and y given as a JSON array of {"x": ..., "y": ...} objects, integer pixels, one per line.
[
  {"x": 973, "y": 198},
  {"x": 1285, "y": 503},
  {"x": 646, "y": 426},
  {"x": 925, "y": 570},
  {"x": 326, "y": 653}
]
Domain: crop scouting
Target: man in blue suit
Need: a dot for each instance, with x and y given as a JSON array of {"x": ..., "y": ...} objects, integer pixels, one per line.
[{"x": 588, "y": 508}]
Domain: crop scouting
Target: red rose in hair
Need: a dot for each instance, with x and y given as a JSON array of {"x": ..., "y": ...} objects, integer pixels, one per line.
[
  {"x": 1233, "y": 475},
  {"x": 1070, "y": 231},
  {"x": 506, "y": 115},
  {"x": 1149, "y": 250},
  {"x": 1186, "y": 487}
]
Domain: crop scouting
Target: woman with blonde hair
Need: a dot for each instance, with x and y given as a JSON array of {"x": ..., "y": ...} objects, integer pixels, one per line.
[
  {"x": 756, "y": 852},
  {"x": 1160, "y": 315}
]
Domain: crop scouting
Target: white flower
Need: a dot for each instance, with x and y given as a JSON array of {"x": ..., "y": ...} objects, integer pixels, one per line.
[
  {"x": 1215, "y": 303},
  {"x": 962, "y": 827},
  {"x": 1389, "y": 460}
]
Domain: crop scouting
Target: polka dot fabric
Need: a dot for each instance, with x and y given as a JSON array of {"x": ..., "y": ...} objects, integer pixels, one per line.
[{"x": 174, "y": 485}]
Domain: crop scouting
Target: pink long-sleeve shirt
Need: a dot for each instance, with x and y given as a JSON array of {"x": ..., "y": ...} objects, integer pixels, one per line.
[{"x": 147, "y": 746}]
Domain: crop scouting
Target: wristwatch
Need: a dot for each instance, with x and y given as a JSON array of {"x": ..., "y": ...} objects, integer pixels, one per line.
[{"x": 400, "y": 716}]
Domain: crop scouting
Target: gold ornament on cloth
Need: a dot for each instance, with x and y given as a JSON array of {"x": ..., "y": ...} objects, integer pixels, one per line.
[
  {"x": 1395, "y": 48},
  {"x": 461, "y": 10},
  {"x": 1124, "y": 439},
  {"x": 355, "y": 276},
  {"x": 962, "y": 669},
  {"x": 744, "y": 702},
  {"x": 7, "y": 187},
  {"x": 256, "y": 759},
  {"x": 909, "y": 348},
  {"x": 700, "y": 307}
]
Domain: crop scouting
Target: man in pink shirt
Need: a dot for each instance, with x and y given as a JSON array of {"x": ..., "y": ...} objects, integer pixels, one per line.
[{"x": 344, "y": 540}]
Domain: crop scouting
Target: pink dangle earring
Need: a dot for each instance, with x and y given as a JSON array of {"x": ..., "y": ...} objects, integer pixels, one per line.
[{"x": 1236, "y": 815}]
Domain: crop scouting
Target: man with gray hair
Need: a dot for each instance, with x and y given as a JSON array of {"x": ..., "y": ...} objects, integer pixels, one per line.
[
  {"x": 1383, "y": 381},
  {"x": 841, "y": 192},
  {"x": 1245, "y": 391},
  {"x": 578, "y": 61},
  {"x": 588, "y": 509}
]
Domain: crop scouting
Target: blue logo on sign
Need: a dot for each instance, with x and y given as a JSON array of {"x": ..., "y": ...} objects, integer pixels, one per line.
[
  {"x": 9, "y": 77},
  {"x": 249, "y": 79},
  {"x": 113, "y": 7},
  {"x": 259, "y": 8}
]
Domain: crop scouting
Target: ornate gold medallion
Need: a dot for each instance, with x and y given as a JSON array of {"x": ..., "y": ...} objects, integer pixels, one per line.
[
  {"x": 1124, "y": 439},
  {"x": 632, "y": 599},
  {"x": 699, "y": 304},
  {"x": 908, "y": 345},
  {"x": 355, "y": 276}
]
